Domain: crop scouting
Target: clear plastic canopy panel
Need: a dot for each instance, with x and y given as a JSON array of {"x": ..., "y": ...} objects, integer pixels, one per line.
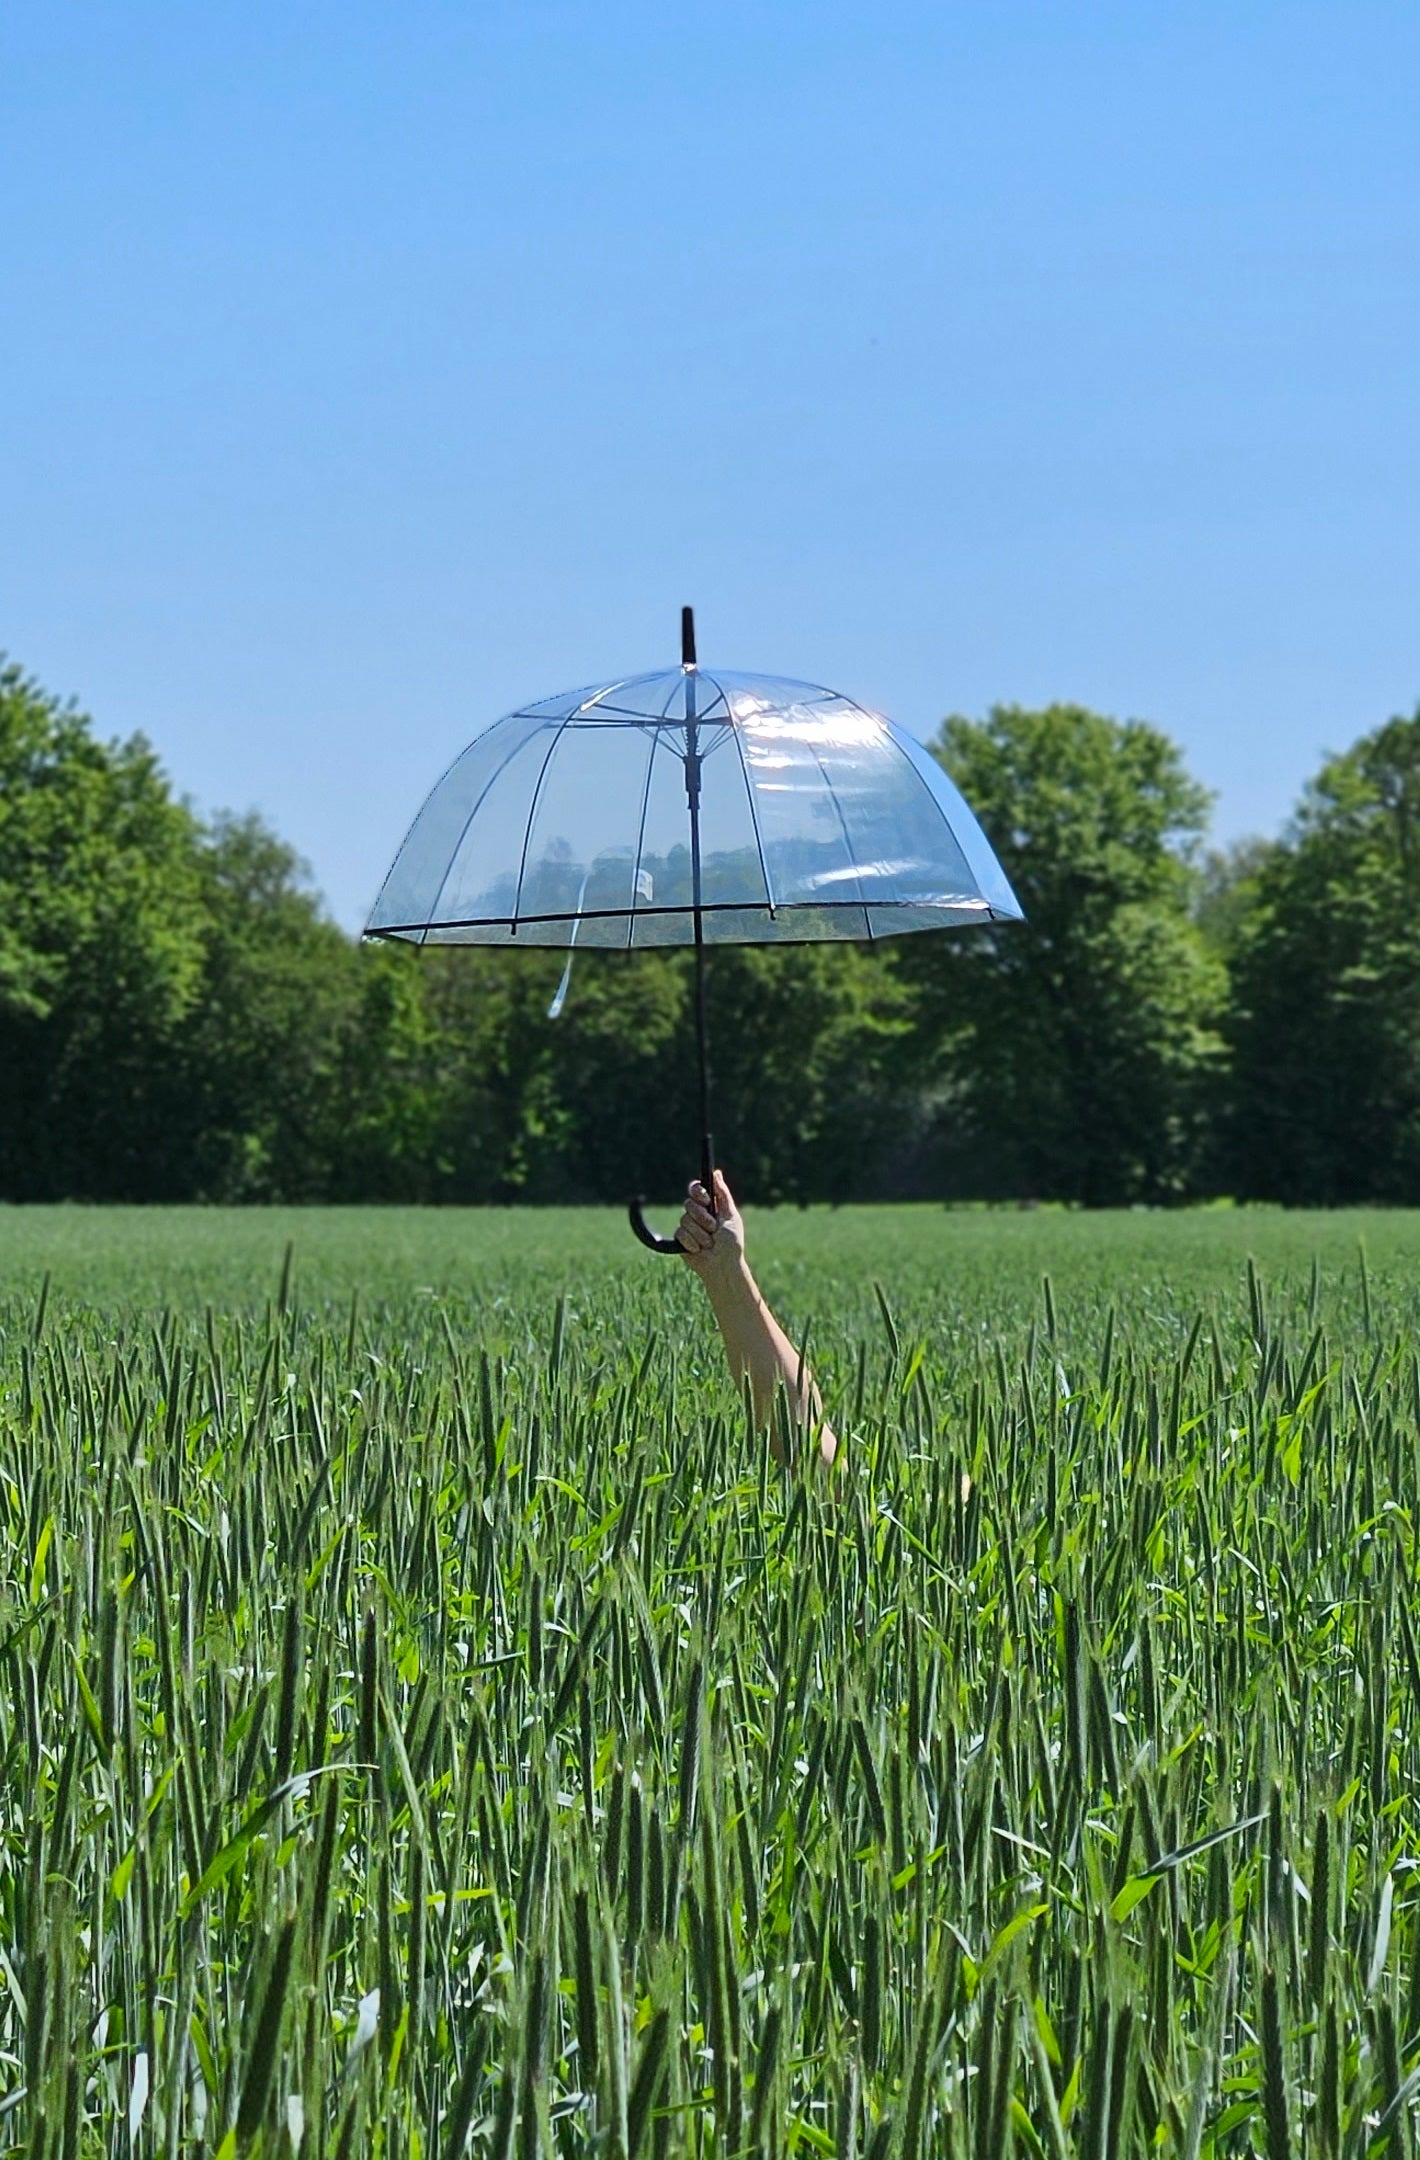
[{"x": 567, "y": 823}]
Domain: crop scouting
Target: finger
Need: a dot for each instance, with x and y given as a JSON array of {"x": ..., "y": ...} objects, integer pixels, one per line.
[
  {"x": 695, "y": 1213},
  {"x": 723, "y": 1194},
  {"x": 693, "y": 1238}
]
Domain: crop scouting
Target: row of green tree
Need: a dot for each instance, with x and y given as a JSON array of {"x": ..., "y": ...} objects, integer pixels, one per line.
[{"x": 180, "y": 1020}]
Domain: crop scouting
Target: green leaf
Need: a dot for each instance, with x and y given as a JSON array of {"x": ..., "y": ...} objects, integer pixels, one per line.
[
  {"x": 90, "y": 1709},
  {"x": 41, "y": 1556},
  {"x": 1016, "y": 1925},
  {"x": 222, "y": 1864},
  {"x": 1134, "y": 1893},
  {"x": 1048, "y": 2038},
  {"x": 1199, "y": 1845}
]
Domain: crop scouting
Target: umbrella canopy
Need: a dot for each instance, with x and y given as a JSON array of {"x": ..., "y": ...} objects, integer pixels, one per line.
[
  {"x": 692, "y": 806},
  {"x": 566, "y": 822}
]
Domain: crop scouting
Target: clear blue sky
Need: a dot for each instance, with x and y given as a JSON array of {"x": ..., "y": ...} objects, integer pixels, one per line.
[{"x": 366, "y": 370}]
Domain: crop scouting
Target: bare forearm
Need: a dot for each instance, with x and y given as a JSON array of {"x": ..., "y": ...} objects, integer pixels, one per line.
[
  {"x": 711, "y": 1235},
  {"x": 757, "y": 1346}
]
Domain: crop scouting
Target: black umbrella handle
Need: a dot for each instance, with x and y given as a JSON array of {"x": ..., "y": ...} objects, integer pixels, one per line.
[
  {"x": 646, "y": 1234},
  {"x": 635, "y": 1208}
]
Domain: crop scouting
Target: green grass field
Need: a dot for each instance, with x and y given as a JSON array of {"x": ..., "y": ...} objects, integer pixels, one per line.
[
  {"x": 946, "y": 1265},
  {"x": 430, "y": 1723}
]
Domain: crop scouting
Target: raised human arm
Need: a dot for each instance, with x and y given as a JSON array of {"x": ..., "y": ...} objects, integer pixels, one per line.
[{"x": 755, "y": 1344}]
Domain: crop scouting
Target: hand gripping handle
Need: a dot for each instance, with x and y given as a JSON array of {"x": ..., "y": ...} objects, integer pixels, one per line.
[{"x": 638, "y": 1220}]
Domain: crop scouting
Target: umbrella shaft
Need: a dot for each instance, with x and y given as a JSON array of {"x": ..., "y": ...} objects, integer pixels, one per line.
[
  {"x": 707, "y": 1144},
  {"x": 692, "y": 796}
]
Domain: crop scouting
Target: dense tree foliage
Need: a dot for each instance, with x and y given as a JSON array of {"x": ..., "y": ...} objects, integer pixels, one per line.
[
  {"x": 179, "y": 1019},
  {"x": 1079, "y": 1054},
  {"x": 1326, "y": 974},
  {"x": 102, "y": 929},
  {"x": 485, "y": 1098}
]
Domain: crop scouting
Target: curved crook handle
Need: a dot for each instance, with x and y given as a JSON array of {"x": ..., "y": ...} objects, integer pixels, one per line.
[{"x": 646, "y": 1234}]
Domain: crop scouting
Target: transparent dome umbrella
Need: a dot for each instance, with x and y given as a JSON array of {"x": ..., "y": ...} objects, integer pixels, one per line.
[{"x": 696, "y": 807}]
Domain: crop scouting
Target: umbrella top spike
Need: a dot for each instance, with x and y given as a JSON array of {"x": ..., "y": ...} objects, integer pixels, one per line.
[{"x": 687, "y": 637}]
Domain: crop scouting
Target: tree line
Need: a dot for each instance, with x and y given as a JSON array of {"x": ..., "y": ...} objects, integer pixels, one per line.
[{"x": 181, "y": 1020}]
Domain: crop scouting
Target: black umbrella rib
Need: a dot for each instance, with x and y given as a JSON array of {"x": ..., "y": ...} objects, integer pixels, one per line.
[
  {"x": 409, "y": 835},
  {"x": 590, "y": 696},
  {"x": 562, "y": 728},
  {"x": 753, "y": 813},
  {"x": 641, "y": 836},
  {"x": 897, "y": 746},
  {"x": 960, "y": 901},
  {"x": 978, "y": 910},
  {"x": 677, "y": 683},
  {"x": 473, "y": 813},
  {"x": 847, "y": 843},
  {"x": 655, "y": 724}
]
